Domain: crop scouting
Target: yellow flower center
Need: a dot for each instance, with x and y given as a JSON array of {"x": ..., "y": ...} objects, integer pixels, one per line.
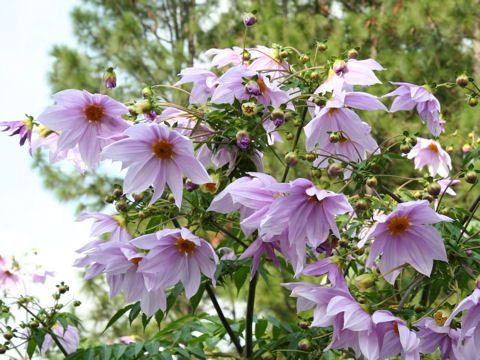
[
  {"x": 136, "y": 261},
  {"x": 440, "y": 318},
  {"x": 94, "y": 113},
  {"x": 185, "y": 246},
  {"x": 398, "y": 224},
  {"x": 162, "y": 149}
]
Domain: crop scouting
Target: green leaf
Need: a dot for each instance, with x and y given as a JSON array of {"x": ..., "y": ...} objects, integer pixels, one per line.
[
  {"x": 240, "y": 276},
  {"x": 260, "y": 327},
  {"x": 117, "y": 316},
  {"x": 159, "y": 317},
  {"x": 134, "y": 312},
  {"x": 106, "y": 352},
  {"x": 32, "y": 344},
  {"x": 195, "y": 300}
]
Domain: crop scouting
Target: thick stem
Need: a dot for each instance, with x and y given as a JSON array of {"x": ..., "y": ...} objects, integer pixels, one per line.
[
  {"x": 249, "y": 318},
  {"x": 223, "y": 319}
]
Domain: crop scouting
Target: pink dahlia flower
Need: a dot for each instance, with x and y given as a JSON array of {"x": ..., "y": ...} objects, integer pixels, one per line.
[
  {"x": 86, "y": 120},
  {"x": 156, "y": 155},
  {"x": 107, "y": 224},
  {"x": 242, "y": 83},
  {"x": 177, "y": 255},
  {"x": 120, "y": 262},
  {"x": 249, "y": 194},
  {"x": 431, "y": 154},
  {"x": 409, "y": 96},
  {"x": 306, "y": 213},
  {"x": 204, "y": 83},
  {"x": 20, "y": 128},
  {"x": 68, "y": 338},
  {"x": 407, "y": 236}
]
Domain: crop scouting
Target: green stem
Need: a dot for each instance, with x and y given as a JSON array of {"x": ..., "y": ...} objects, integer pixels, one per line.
[{"x": 249, "y": 318}]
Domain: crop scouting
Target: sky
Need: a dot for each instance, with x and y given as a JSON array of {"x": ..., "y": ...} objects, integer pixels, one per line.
[{"x": 30, "y": 216}]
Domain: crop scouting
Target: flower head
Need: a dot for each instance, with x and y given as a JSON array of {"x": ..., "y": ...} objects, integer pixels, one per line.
[
  {"x": 431, "y": 154},
  {"x": 407, "y": 236},
  {"x": 224, "y": 57},
  {"x": 20, "y": 128},
  {"x": 107, "y": 224},
  {"x": 433, "y": 334},
  {"x": 156, "y": 155},
  {"x": 85, "y": 120},
  {"x": 68, "y": 338},
  {"x": 409, "y": 96},
  {"x": 204, "y": 83},
  {"x": 471, "y": 319},
  {"x": 177, "y": 255}
]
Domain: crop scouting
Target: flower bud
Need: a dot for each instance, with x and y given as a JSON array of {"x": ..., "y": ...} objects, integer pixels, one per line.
[
  {"x": 322, "y": 47},
  {"x": 267, "y": 356},
  {"x": 34, "y": 324},
  {"x": 277, "y": 116},
  {"x": 304, "y": 58},
  {"x": 405, "y": 148},
  {"x": 284, "y": 53},
  {"x": 253, "y": 88},
  {"x": 144, "y": 106},
  {"x": 147, "y": 92},
  {"x": 471, "y": 177},
  {"x": 343, "y": 242},
  {"x": 291, "y": 159},
  {"x": 462, "y": 80},
  {"x": 428, "y": 197},
  {"x": 191, "y": 186},
  {"x": 243, "y": 139},
  {"x": 316, "y": 173},
  {"x": 417, "y": 195},
  {"x": 364, "y": 282},
  {"x": 372, "y": 182},
  {"x": 289, "y": 136},
  {"x": 249, "y": 109},
  {"x": 361, "y": 205},
  {"x": 249, "y": 19},
  {"x": 305, "y": 325},
  {"x": 449, "y": 149},
  {"x": 310, "y": 156},
  {"x": 334, "y": 170},
  {"x": 77, "y": 303},
  {"x": 137, "y": 197},
  {"x": 110, "y": 78},
  {"x": 304, "y": 345},
  {"x": 3, "y": 349},
  {"x": 335, "y": 137},
  {"x": 339, "y": 66},
  {"x": 117, "y": 193},
  {"x": 466, "y": 149},
  {"x": 246, "y": 56},
  {"x": 8, "y": 335},
  {"x": 469, "y": 252},
  {"x": 319, "y": 100},
  {"x": 316, "y": 76},
  {"x": 296, "y": 122},
  {"x": 352, "y": 54},
  {"x": 434, "y": 189},
  {"x": 473, "y": 101},
  {"x": 121, "y": 206}
]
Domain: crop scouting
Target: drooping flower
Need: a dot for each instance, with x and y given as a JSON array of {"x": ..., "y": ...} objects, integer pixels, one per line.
[
  {"x": 329, "y": 267},
  {"x": 251, "y": 195},
  {"x": 430, "y": 153},
  {"x": 68, "y": 338},
  {"x": 224, "y": 57},
  {"x": 352, "y": 72},
  {"x": 471, "y": 319},
  {"x": 407, "y": 236},
  {"x": 156, "y": 155},
  {"x": 177, "y": 255},
  {"x": 409, "y": 96},
  {"x": 447, "y": 186},
  {"x": 204, "y": 83},
  {"x": 335, "y": 129},
  {"x": 107, "y": 224},
  {"x": 84, "y": 119},
  {"x": 21, "y": 128},
  {"x": 120, "y": 262},
  {"x": 242, "y": 83},
  {"x": 433, "y": 334},
  {"x": 257, "y": 249},
  {"x": 306, "y": 212}
]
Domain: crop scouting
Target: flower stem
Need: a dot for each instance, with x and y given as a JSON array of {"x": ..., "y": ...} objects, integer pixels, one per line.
[
  {"x": 223, "y": 319},
  {"x": 249, "y": 318}
]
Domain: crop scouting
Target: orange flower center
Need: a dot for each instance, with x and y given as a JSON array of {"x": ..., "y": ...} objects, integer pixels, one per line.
[
  {"x": 433, "y": 147},
  {"x": 162, "y": 149},
  {"x": 8, "y": 273},
  {"x": 136, "y": 261},
  {"x": 94, "y": 113},
  {"x": 185, "y": 246},
  {"x": 440, "y": 318},
  {"x": 398, "y": 224},
  {"x": 261, "y": 85},
  {"x": 332, "y": 110},
  {"x": 395, "y": 328},
  {"x": 343, "y": 139}
]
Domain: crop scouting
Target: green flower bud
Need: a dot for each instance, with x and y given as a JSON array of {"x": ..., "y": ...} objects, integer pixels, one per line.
[
  {"x": 352, "y": 54},
  {"x": 462, "y": 80}
]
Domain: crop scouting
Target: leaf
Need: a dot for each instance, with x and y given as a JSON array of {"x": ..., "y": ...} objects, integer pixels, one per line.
[
  {"x": 117, "y": 316},
  {"x": 32, "y": 344},
  {"x": 260, "y": 327},
  {"x": 159, "y": 317},
  {"x": 145, "y": 321},
  {"x": 240, "y": 276},
  {"x": 106, "y": 352},
  {"x": 134, "y": 312},
  {"x": 195, "y": 300}
]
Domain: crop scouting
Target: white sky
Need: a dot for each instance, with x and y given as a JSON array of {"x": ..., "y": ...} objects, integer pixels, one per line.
[{"x": 30, "y": 216}]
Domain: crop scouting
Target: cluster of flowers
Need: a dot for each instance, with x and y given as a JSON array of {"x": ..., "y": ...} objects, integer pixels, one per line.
[
  {"x": 11, "y": 273},
  {"x": 294, "y": 218}
]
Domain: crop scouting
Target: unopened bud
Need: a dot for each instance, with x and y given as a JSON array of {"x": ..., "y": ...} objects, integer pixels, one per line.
[
  {"x": 291, "y": 159},
  {"x": 243, "y": 140},
  {"x": 352, "y": 54},
  {"x": 121, "y": 206},
  {"x": 334, "y": 170},
  {"x": 322, "y": 47},
  {"x": 304, "y": 345},
  {"x": 316, "y": 76},
  {"x": 277, "y": 116},
  {"x": 191, "y": 186},
  {"x": 372, "y": 182},
  {"x": 471, "y": 177},
  {"x": 110, "y": 78},
  {"x": 335, "y": 137},
  {"x": 361, "y": 205},
  {"x": 77, "y": 303},
  {"x": 316, "y": 173},
  {"x": 289, "y": 136},
  {"x": 137, "y": 197},
  {"x": 147, "y": 92},
  {"x": 8, "y": 335},
  {"x": 473, "y": 101},
  {"x": 310, "y": 156},
  {"x": 434, "y": 189},
  {"x": 305, "y": 325},
  {"x": 304, "y": 58},
  {"x": 405, "y": 148},
  {"x": 462, "y": 80},
  {"x": 364, "y": 282},
  {"x": 249, "y": 19},
  {"x": 466, "y": 149}
]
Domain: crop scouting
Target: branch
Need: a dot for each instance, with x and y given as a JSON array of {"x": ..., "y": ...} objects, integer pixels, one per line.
[{"x": 249, "y": 318}]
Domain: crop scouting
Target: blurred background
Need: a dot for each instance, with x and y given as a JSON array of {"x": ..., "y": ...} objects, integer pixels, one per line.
[{"x": 51, "y": 45}]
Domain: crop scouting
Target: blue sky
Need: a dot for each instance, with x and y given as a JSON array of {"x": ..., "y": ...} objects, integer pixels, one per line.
[{"x": 30, "y": 216}]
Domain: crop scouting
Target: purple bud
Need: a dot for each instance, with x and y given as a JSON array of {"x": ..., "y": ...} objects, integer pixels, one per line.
[
  {"x": 291, "y": 159},
  {"x": 151, "y": 115},
  {"x": 339, "y": 66},
  {"x": 252, "y": 88},
  {"x": 110, "y": 78},
  {"x": 190, "y": 186},
  {"x": 243, "y": 140},
  {"x": 278, "y": 117},
  {"x": 249, "y": 19}
]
